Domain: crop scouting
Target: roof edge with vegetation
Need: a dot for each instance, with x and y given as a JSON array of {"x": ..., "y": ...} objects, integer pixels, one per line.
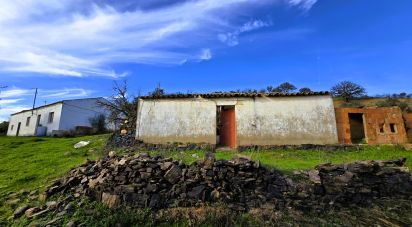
[{"x": 234, "y": 95}]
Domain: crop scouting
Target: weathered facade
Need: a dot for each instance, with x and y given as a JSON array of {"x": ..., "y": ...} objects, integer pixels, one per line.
[
  {"x": 408, "y": 124},
  {"x": 237, "y": 119},
  {"x": 372, "y": 125},
  {"x": 55, "y": 117}
]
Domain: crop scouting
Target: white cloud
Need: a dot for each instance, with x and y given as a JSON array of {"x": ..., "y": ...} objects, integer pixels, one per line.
[
  {"x": 9, "y": 101},
  {"x": 6, "y": 110},
  {"x": 205, "y": 55},
  {"x": 231, "y": 38},
  {"x": 305, "y": 4},
  {"x": 65, "y": 93},
  {"x": 13, "y": 93},
  {"x": 16, "y": 99},
  {"x": 81, "y": 38}
]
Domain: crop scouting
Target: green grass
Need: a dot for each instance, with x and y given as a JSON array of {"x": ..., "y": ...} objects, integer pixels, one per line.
[
  {"x": 30, "y": 162},
  {"x": 290, "y": 160}
]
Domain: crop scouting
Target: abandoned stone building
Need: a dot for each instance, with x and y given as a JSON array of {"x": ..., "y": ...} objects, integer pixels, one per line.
[
  {"x": 408, "y": 124},
  {"x": 237, "y": 119},
  {"x": 372, "y": 125}
]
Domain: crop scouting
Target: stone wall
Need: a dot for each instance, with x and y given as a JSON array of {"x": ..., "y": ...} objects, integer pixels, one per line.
[
  {"x": 156, "y": 182},
  {"x": 373, "y": 119},
  {"x": 408, "y": 124}
]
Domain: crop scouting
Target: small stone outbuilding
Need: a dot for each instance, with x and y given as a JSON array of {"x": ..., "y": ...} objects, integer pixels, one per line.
[
  {"x": 237, "y": 119},
  {"x": 371, "y": 125},
  {"x": 408, "y": 124}
]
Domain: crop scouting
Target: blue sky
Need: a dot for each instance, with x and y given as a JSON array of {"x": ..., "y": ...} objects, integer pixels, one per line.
[{"x": 76, "y": 48}]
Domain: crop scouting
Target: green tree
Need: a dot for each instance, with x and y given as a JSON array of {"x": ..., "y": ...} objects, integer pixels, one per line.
[
  {"x": 4, "y": 127},
  {"x": 98, "y": 123},
  {"x": 283, "y": 87},
  {"x": 305, "y": 90},
  {"x": 158, "y": 91}
]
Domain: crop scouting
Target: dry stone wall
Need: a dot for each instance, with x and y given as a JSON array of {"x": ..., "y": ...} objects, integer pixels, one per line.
[{"x": 157, "y": 182}]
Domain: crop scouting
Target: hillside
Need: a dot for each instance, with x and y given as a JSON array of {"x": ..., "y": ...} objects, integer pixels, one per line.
[{"x": 366, "y": 102}]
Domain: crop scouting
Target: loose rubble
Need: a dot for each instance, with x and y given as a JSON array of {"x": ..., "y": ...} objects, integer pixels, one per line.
[
  {"x": 157, "y": 182},
  {"x": 81, "y": 144}
]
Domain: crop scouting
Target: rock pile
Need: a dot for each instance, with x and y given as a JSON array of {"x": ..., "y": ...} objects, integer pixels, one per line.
[
  {"x": 156, "y": 182},
  {"x": 121, "y": 139},
  {"x": 360, "y": 182}
]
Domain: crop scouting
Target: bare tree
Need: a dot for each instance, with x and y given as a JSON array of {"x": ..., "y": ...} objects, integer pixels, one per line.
[
  {"x": 348, "y": 90},
  {"x": 122, "y": 107}
]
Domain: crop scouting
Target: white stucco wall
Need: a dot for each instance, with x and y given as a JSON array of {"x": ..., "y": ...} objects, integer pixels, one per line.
[
  {"x": 163, "y": 121},
  {"x": 286, "y": 120},
  {"x": 30, "y": 130},
  {"x": 259, "y": 121},
  {"x": 78, "y": 113}
]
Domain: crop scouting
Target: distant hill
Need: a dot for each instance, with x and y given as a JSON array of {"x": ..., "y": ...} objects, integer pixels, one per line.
[{"x": 366, "y": 102}]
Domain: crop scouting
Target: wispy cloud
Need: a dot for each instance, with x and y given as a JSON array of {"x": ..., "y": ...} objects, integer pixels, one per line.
[
  {"x": 82, "y": 38},
  {"x": 305, "y": 4},
  {"x": 6, "y": 110},
  {"x": 231, "y": 38},
  {"x": 17, "y": 99},
  {"x": 205, "y": 55}
]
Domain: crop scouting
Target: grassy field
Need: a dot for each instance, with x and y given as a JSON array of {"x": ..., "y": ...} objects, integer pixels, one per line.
[
  {"x": 290, "y": 160},
  {"x": 31, "y": 163}
]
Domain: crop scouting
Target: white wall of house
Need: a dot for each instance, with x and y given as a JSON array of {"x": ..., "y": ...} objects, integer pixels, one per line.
[
  {"x": 31, "y": 128},
  {"x": 79, "y": 112},
  {"x": 67, "y": 115},
  {"x": 259, "y": 121}
]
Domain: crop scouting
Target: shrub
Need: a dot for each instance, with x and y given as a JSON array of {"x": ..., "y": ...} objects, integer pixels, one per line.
[
  {"x": 390, "y": 101},
  {"x": 99, "y": 123},
  {"x": 4, "y": 127}
]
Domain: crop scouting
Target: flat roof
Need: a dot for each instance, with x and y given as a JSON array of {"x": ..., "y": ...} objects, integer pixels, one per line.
[
  {"x": 235, "y": 95},
  {"x": 51, "y": 104}
]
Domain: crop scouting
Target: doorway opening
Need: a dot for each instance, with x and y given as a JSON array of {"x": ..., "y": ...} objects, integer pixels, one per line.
[
  {"x": 357, "y": 130},
  {"x": 225, "y": 126},
  {"x": 18, "y": 129}
]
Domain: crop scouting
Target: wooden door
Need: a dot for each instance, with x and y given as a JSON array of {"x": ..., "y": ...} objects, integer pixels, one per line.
[{"x": 228, "y": 128}]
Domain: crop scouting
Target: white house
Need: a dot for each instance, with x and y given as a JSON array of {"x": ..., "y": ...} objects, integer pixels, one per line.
[
  {"x": 55, "y": 117},
  {"x": 237, "y": 119}
]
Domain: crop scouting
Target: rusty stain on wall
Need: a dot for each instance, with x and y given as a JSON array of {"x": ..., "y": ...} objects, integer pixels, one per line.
[{"x": 381, "y": 125}]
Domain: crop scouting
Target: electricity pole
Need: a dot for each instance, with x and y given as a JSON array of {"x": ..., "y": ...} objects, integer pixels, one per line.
[{"x": 34, "y": 101}]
